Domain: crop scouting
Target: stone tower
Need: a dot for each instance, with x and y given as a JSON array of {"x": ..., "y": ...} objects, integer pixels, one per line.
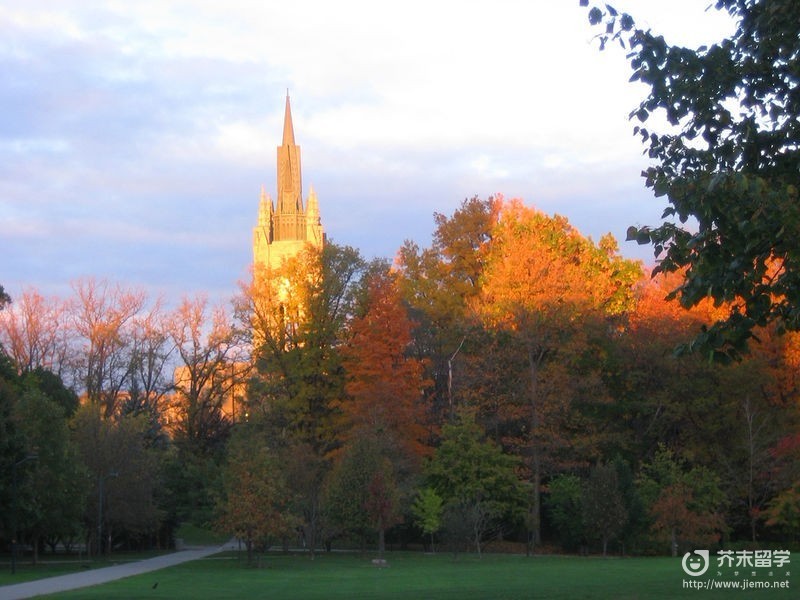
[{"x": 284, "y": 228}]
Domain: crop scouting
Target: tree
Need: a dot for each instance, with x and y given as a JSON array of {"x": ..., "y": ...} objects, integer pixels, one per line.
[
  {"x": 5, "y": 299},
  {"x": 684, "y": 501},
  {"x": 362, "y": 494},
  {"x": 427, "y": 511},
  {"x": 726, "y": 161},
  {"x": 438, "y": 283},
  {"x": 256, "y": 494},
  {"x": 383, "y": 383},
  {"x": 207, "y": 352},
  {"x": 298, "y": 314},
  {"x": 477, "y": 482},
  {"x": 205, "y": 343},
  {"x": 35, "y": 334},
  {"x": 604, "y": 512},
  {"x": 383, "y": 502},
  {"x": 551, "y": 291},
  {"x": 659, "y": 398},
  {"x": 124, "y": 476},
  {"x": 783, "y": 510},
  {"x": 12, "y": 449},
  {"x": 56, "y": 479},
  {"x": 565, "y": 504},
  {"x": 52, "y": 386},
  {"x": 152, "y": 349},
  {"x": 102, "y": 315}
]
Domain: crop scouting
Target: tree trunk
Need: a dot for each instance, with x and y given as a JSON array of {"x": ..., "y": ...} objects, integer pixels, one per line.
[
  {"x": 381, "y": 542},
  {"x": 751, "y": 467},
  {"x": 312, "y": 534},
  {"x": 534, "y": 538}
]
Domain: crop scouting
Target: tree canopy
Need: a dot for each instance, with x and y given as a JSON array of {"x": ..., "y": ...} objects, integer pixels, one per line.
[
  {"x": 516, "y": 378},
  {"x": 721, "y": 124}
]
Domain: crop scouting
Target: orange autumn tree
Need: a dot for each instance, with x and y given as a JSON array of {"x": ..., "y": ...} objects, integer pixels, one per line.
[
  {"x": 438, "y": 284},
  {"x": 550, "y": 291},
  {"x": 658, "y": 395},
  {"x": 384, "y": 382},
  {"x": 726, "y": 417}
]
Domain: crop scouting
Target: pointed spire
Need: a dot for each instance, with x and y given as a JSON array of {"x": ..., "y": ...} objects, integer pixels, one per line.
[
  {"x": 265, "y": 209},
  {"x": 288, "y": 129},
  {"x": 312, "y": 205}
]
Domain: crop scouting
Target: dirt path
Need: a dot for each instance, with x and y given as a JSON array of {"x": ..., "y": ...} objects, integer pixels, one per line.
[{"x": 62, "y": 583}]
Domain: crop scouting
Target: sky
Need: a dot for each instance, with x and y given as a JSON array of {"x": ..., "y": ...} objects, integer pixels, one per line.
[{"x": 135, "y": 136}]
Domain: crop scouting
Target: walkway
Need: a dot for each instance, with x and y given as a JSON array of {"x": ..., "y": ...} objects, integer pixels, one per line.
[{"x": 62, "y": 583}]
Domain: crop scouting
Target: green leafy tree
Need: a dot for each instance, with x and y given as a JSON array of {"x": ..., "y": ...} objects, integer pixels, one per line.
[
  {"x": 427, "y": 511},
  {"x": 477, "y": 482},
  {"x": 124, "y": 476},
  {"x": 721, "y": 124},
  {"x": 298, "y": 315},
  {"x": 52, "y": 386},
  {"x": 362, "y": 494},
  {"x": 565, "y": 507},
  {"x": 12, "y": 447},
  {"x": 56, "y": 479},
  {"x": 685, "y": 502},
  {"x": 604, "y": 512},
  {"x": 256, "y": 500}
]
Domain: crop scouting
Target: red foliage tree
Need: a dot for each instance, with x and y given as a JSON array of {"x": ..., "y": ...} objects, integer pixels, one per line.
[{"x": 384, "y": 384}]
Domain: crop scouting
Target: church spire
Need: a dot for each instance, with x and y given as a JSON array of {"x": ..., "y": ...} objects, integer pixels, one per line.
[
  {"x": 284, "y": 228},
  {"x": 288, "y": 129},
  {"x": 289, "y": 219}
]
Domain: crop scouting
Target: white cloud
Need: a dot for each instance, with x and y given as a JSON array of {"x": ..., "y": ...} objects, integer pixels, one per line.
[{"x": 151, "y": 125}]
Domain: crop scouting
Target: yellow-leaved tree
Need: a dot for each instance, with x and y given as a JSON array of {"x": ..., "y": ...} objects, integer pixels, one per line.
[{"x": 549, "y": 293}]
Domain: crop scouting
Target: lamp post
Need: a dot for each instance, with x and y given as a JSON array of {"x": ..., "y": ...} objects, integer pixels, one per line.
[
  {"x": 14, "y": 508},
  {"x": 102, "y": 480}
]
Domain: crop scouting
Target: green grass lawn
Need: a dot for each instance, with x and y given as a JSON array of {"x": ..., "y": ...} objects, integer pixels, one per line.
[{"x": 415, "y": 575}]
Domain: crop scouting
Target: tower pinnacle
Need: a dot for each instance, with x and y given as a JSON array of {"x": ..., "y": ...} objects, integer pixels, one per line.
[{"x": 288, "y": 128}]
